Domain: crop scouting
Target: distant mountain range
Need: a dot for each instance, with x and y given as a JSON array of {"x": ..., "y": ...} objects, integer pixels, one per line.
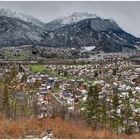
[
  {"x": 75, "y": 31},
  {"x": 27, "y": 18}
]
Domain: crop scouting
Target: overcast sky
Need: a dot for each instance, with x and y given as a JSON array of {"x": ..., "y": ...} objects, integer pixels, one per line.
[{"x": 126, "y": 14}]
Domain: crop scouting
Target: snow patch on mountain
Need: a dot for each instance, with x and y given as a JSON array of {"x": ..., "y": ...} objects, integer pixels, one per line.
[
  {"x": 117, "y": 37},
  {"x": 77, "y": 16},
  {"x": 27, "y": 18},
  {"x": 107, "y": 35},
  {"x": 137, "y": 47},
  {"x": 88, "y": 48}
]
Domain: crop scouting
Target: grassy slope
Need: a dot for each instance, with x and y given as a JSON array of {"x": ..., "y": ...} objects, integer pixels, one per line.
[{"x": 62, "y": 129}]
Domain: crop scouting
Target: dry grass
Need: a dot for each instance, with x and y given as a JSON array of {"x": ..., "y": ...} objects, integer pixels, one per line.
[{"x": 61, "y": 129}]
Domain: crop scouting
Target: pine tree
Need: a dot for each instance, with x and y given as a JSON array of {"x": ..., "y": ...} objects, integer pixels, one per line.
[
  {"x": 90, "y": 103},
  {"x": 114, "y": 71},
  {"x": 92, "y": 106},
  {"x": 5, "y": 102},
  {"x": 128, "y": 114},
  {"x": 24, "y": 78},
  {"x": 130, "y": 93},
  {"x": 95, "y": 74},
  {"x": 104, "y": 111},
  {"x": 13, "y": 72},
  {"x": 115, "y": 104}
]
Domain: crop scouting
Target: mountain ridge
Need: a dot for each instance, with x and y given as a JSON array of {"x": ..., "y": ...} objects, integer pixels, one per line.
[
  {"x": 25, "y": 17},
  {"x": 74, "y": 17},
  {"x": 85, "y": 33},
  {"x": 78, "y": 30},
  {"x": 16, "y": 32}
]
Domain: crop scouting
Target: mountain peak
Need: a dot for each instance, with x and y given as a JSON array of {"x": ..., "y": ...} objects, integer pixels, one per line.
[
  {"x": 83, "y": 14},
  {"x": 7, "y": 12},
  {"x": 77, "y": 16},
  {"x": 25, "y": 17}
]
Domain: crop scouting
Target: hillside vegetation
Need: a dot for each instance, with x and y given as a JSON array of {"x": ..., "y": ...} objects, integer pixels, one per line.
[{"x": 61, "y": 129}]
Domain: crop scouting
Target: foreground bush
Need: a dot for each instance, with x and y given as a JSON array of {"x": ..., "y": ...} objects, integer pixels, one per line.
[{"x": 61, "y": 129}]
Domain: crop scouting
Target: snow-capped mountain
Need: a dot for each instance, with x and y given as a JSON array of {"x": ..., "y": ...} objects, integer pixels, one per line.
[
  {"x": 75, "y": 17},
  {"x": 16, "y": 32},
  {"x": 105, "y": 34},
  {"x": 25, "y": 17},
  {"x": 75, "y": 31}
]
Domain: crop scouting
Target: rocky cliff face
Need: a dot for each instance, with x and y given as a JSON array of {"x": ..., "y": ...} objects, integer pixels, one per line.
[
  {"x": 15, "y": 32},
  {"x": 105, "y": 34}
]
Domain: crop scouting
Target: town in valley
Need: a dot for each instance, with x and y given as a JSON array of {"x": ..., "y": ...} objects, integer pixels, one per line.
[
  {"x": 69, "y": 70},
  {"x": 103, "y": 89}
]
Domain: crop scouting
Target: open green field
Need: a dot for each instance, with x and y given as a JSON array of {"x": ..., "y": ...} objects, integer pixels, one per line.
[
  {"x": 37, "y": 68},
  {"x": 137, "y": 105}
]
